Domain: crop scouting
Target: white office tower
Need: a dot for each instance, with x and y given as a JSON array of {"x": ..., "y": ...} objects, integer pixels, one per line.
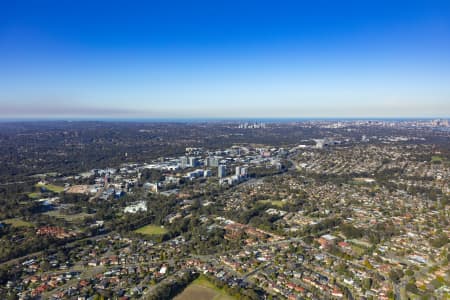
[
  {"x": 193, "y": 161},
  {"x": 238, "y": 171},
  {"x": 222, "y": 171},
  {"x": 211, "y": 162},
  {"x": 184, "y": 162}
]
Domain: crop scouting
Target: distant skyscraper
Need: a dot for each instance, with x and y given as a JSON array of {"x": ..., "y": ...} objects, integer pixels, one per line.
[
  {"x": 184, "y": 162},
  {"x": 211, "y": 162},
  {"x": 238, "y": 171},
  {"x": 320, "y": 143},
  {"x": 222, "y": 171},
  {"x": 193, "y": 161}
]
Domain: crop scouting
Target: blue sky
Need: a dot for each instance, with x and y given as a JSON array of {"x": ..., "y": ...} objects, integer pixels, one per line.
[{"x": 213, "y": 59}]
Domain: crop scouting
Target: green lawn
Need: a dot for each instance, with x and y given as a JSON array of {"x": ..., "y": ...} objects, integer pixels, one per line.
[
  {"x": 358, "y": 250},
  {"x": 68, "y": 218},
  {"x": 277, "y": 203},
  {"x": 362, "y": 180},
  {"x": 361, "y": 243},
  {"x": 34, "y": 195},
  {"x": 436, "y": 158},
  {"x": 51, "y": 187},
  {"x": 16, "y": 222},
  {"x": 203, "y": 281},
  {"x": 151, "y": 230},
  {"x": 203, "y": 289}
]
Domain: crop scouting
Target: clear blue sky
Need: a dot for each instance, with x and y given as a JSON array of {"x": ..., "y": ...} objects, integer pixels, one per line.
[{"x": 224, "y": 59}]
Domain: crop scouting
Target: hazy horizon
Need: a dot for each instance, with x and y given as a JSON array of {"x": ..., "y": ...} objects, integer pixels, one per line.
[{"x": 216, "y": 120}]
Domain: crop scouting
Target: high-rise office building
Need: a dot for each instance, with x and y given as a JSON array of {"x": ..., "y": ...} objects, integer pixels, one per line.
[
  {"x": 193, "y": 161},
  {"x": 184, "y": 162},
  {"x": 244, "y": 172},
  {"x": 222, "y": 171},
  {"x": 238, "y": 171},
  {"x": 211, "y": 162}
]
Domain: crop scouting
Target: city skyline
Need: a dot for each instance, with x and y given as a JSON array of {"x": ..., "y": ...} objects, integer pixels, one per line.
[{"x": 233, "y": 60}]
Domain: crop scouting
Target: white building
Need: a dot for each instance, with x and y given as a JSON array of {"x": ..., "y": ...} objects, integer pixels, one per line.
[
  {"x": 222, "y": 171},
  {"x": 135, "y": 207}
]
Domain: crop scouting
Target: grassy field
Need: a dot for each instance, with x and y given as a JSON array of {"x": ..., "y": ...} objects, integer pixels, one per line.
[
  {"x": 203, "y": 289},
  {"x": 18, "y": 222},
  {"x": 50, "y": 174},
  {"x": 151, "y": 230},
  {"x": 277, "y": 203},
  {"x": 361, "y": 243},
  {"x": 68, "y": 218},
  {"x": 358, "y": 250},
  {"x": 361, "y": 180},
  {"x": 436, "y": 158},
  {"x": 52, "y": 187},
  {"x": 34, "y": 195}
]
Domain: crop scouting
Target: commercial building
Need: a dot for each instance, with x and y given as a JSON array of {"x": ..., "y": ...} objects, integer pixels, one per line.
[{"x": 221, "y": 171}]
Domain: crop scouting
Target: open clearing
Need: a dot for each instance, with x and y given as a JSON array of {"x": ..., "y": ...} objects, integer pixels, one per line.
[
  {"x": 203, "y": 289},
  {"x": 436, "y": 158},
  {"x": 34, "y": 195},
  {"x": 51, "y": 187},
  {"x": 151, "y": 230},
  {"x": 363, "y": 180},
  {"x": 277, "y": 203},
  {"x": 67, "y": 217},
  {"x": 18, "y": 222}
]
